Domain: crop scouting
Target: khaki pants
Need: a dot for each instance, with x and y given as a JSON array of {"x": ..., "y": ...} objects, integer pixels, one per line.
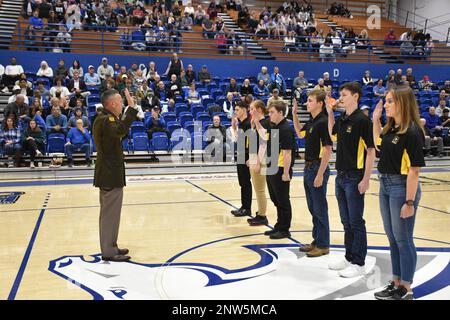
[
  {"x": 259, "y": 184},
  {"x": 110, "y": 208}
]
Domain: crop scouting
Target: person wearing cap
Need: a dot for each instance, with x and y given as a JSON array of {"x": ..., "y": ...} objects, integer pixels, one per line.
[
  {"x": 108, "y": 130},
  {"x": 78, "y": 114},
  {"x": 105, "y": 69},
  {"x": 186, "y": 22},
  {"x": 91, "y": 78},
  {"x": 276, "y": 97},
  {"x": 365, "y": 109},
  {"x": 155, "y": 123},
  {"x": 204, "y": 76},
  {"x": 425, "y": 83}
]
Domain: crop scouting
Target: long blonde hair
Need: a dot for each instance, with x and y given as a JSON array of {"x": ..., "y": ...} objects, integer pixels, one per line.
[{"x": 409, "y": 110}]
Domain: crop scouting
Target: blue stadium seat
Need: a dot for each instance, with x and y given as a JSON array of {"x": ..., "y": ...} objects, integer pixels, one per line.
[
  {"x": 203, "y": 116},
  {"x": 126, "y": 145},
  {"x": 137, "y": 126},
  {"x": 172, "y": 126},
  {"x": 216, "y": 93},
  {"x": 169, "y": 116},
  {"x": 180, "y": 107},
  {"x": 159, "y": 142},
  {"x": 140, "y": 142},
  {"x": 55, "y": 143},
  {"x": 197, "y": 141},
  {"x": 185, "y": 117},
  {"x": 180, "y": 140},
  {"x": 207, "y": 101},
  {"x": 195, "y": 109},
  {"x": 223, "y": 116}
]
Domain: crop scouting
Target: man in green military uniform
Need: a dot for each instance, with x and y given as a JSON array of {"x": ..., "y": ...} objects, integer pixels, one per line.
[{"x": 108, "y": 130}]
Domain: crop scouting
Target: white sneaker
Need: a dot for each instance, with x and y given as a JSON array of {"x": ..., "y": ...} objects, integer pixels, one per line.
[
  {"x": 38, "y": 153},
  {"x": 31, "y": 165},
  {"x": 352, "y": 271},
  {"x": 339, "y": 264}
]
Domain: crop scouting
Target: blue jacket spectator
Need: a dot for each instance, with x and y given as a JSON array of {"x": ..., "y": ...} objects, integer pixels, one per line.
[
  {"x": 138, "y": 40},
  {"x": 56, "y": 122},
  {"x": 36, "y": 22},
  {"x": 277, "y": 80},
  {"x": 433, "y": 120},
  {"x": 261, "y": 90},
  {"x": 78, "y": 139},
  {"x": 379, "y": 90}
]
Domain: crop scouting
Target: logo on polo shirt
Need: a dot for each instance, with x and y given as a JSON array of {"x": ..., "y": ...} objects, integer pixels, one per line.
[
  {"x": 395, "y": 140},
  {"x": 349, "y": 129},
  {"x": 311, "y": 130}
]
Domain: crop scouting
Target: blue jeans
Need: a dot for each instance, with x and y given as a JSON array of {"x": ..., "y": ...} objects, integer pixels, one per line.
[
  {"x": 398, "y": 230},
  {"x": 316, "y": 198},
  {"x": 351, "y": 210},
  {"x": 71, "y": 148}
]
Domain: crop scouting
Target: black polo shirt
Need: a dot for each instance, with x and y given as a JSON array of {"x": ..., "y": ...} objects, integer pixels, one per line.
[
  {"x": 315, "y": 131},
  {"x": 244, "y": 126},
  {"x": 399, "y": 152},
  {"x": 265, "y": 123},
  {"x": 354, "y": 136},
  {"x": 286, "y": 141}
]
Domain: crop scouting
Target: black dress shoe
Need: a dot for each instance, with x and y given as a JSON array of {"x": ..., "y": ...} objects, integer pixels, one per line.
[
  {"x": 270, "y": 232},
  {"x": 123, "y": 251},
  {"x": 117, "y": 258},
  {"x": 280, "y": 235},
  {"x": 258, "y": 221},
  {"x": 233, "y": 212},
  {"x": 243, "y": 213}
]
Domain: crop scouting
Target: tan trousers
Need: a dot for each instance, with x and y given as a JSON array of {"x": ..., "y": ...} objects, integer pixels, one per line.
[
  {"x": 259, "y": 185},
  {"x": 110, "y": 208}
]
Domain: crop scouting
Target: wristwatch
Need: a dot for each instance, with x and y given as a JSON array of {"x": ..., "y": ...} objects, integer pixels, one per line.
[{"x": 409, "y": 203}]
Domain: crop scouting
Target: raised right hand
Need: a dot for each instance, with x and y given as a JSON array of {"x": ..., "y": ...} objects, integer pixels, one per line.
[{"x": 376, "y": 115}]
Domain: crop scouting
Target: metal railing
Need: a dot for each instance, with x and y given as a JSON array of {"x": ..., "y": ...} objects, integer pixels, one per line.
[{"x": 191, "y": 43}]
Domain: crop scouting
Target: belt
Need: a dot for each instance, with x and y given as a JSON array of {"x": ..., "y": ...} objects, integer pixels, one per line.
[
  {"x": 342, "y": 172},
  {"x": 310, "y": 163}
]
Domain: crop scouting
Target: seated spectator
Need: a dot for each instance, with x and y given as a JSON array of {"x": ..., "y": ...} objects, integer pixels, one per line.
[
  {"x": 221, "y": 42},
  {"x": 105, "y": 69},
  {"x": 150, "y": 72},
  {"x": 77, "y": 101},
  {"x": 444, "y": 96},
  {"x": 37, "y": 108},
  {"x": 441, "y": 107},
  {"x": 138, "y": 78},
  {"x": 277, "y": 81},
  {"x": 234, "y": 43},
  {"x": 406, "y": 48},
  {"x": 193, "y": 95},
  {"x": 326, "y": 79},
  {"x": 56, "y": 122},
  {"x": 63, "y": 39},
  {"x": 184, "y": 80},
  {"x": 363, "y": 41},
  {"x": 426, "y": 84},
  {"x": 10, "y": 138},
  {"x": 59, "y": 87},
  {"x": 390, "y": 38},
  {"x": 365, "y": 110},
  {"x": 77, "y": 84},
  {"x": 91, "y": 78},
  {"x": 264, "y": 75},
  {"x": 138, "y": 40},
  {"x": 174, "y": 88},
  {"x": 16, "y": 91},
  {"x": 18, "y": 110},
  {"x": 160, "y": 91},
  {"x": 45, "y": 94},
  {"x": 261, "y": 30},
  {"x": 289, "y": 42},
  {"x": 36, "y": 23},
  {"x": 233, "y": 87},
  {"x": 125, "y": 39},
  {"x": 142, "y": 94},
  {"x": 31, "y": 40},
  {"x": 260, "y": 90},
  {"x": 431, "y": 140},
  {"x": 150, "y": 101},
  {"x": 204, "y": 76},
  {"x": 216, "y": 136},
  {"x": 410, "y": 77},
  {"x": 78, "y": 139},
  {"x": 406, "y": 36},
  {"x": 190, "y": 73},
  {"x": 61, "y": 71},
  {"x": 33, "y": 141},
  {"x": 433, "y": 122},
  {"x": 446, "y": 87},
  {"x": 78, "y": 114},
  {"x": 208, "y": 27},
  {"x": 229, "y": 104},
  {"x": 45, "y": 70},
  {"x": 138, "y": 15},
  {"x": 429, "y": 44},
  {"x": 24, "y": 88},
  {"x": 199, "y": 15},
  {"x": 140, "y": 115},
  {"x": 246, "y": 88},
  {"x": 76, "y": 67},
  {"x": 367, "y": 79},
  {"x": 445, "y": 119},
  {"x": 155, "y": 123},
  {"x": 186, "y": 22},
  {"x": 275, "y": 97},
  {"x": 326, "y": 51},
  {"x": 379, "y": 90},
  {"x": 337, "y": 42},
  {"x": 12, "y": 73},
  {"x": 300, "y": 82},
  {"x": 320, "y": 85},
  {"x": 190, "y": 10}
]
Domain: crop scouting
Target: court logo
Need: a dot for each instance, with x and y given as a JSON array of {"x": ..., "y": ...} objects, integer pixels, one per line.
[
  {"x": 10, "y": 197},
  {"x": 281, "y": 267}
]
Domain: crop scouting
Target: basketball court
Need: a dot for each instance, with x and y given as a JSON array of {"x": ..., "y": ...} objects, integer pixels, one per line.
[{"x": 185, "y": 244}]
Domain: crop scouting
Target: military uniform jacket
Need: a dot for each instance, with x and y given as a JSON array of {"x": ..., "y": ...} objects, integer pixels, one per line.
[{"x": 108, "y": 132}]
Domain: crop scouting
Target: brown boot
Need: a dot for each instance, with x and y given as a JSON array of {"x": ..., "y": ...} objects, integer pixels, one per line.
[
  {"x": 317, "y": 252},
  {"x": 307, "y": 248}
]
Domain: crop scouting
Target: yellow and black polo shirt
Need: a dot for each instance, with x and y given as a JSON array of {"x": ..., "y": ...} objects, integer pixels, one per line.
[
  {"x": 286, "y": 141},
  {"x": 354, "y": 136},
  {"x": 244, "y": 126},
  {"x": 316, "y": 135},
  {"x": 399, "y": 152}
]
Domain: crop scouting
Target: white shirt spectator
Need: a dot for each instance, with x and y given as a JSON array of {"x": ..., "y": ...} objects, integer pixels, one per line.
[
  {"x": 2, "y": 70},
  {"x": 15, "y": 70},
  {"x": 64, "y": 91},
  {"x": 103, "y": 70},
  {"x": 45, "y": 70},
  {"x": 14, "y": 97}
]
